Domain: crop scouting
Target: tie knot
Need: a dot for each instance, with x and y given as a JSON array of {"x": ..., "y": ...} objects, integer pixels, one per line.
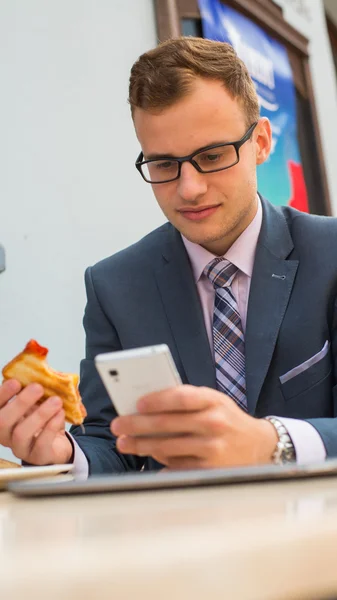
[{"x": 220, "y": 272}]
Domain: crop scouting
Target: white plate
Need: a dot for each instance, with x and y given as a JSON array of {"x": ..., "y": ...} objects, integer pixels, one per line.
[{"x": 15, "y": 474}]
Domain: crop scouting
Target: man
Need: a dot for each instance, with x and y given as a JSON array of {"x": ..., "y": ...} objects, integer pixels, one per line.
[{"x": 188, "y": 283}]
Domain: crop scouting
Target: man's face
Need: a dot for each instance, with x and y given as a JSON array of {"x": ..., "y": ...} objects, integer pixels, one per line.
[{"x": 210, "y": 209}]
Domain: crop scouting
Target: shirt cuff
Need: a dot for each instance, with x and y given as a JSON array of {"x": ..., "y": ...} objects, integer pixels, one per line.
[
  {"x": 308, "y": 443},
  {"x": 80, "y": 462}
]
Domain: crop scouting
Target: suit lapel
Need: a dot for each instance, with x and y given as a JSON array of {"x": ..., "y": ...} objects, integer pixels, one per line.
[
  {"x": 272, "y": 281},
  {"x": 183, "y": 309}
]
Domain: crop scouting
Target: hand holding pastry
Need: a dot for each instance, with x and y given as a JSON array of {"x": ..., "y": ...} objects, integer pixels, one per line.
[{"x": 34, "y": 403}]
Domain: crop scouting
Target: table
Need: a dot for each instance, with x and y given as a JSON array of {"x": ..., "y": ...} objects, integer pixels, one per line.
[{"x": 248, "y": 542}]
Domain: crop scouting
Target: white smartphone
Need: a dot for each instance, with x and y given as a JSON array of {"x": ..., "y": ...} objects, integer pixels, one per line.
[{"x": 130, "y": 374}]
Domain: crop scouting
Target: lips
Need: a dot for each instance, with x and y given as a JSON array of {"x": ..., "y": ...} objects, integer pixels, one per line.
[{"x": 200, "y": 213}]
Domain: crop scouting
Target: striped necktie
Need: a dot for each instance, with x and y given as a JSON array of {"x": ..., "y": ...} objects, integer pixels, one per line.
[{"x": 228, "y": 338}]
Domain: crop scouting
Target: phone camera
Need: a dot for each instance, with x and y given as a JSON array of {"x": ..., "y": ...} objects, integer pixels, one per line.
[{"x": 114, "y": 373}]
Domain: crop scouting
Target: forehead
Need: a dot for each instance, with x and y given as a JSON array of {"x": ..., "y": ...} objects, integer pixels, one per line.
[{"x": 207, "y": 115}]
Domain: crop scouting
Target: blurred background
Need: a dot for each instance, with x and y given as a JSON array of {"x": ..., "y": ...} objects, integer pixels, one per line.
[{"x": 70, "y": 194}]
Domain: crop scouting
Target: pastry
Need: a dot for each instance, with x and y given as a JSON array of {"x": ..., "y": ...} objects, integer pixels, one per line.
[{"x": 30, "y": 366}]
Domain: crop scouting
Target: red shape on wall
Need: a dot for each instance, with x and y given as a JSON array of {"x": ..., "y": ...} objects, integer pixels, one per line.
[{"x": 299, "y": 198}]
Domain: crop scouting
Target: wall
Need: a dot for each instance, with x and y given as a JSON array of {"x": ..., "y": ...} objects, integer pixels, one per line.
[
  {"x": 70, "y": 193},
  {"x": 308, "y": 17}
]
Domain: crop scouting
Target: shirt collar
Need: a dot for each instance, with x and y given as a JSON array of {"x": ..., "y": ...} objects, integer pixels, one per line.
[{"x": 241, "y": 253}]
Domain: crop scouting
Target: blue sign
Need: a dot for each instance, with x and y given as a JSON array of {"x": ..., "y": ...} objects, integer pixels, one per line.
[{"x": 280, "y": 178}]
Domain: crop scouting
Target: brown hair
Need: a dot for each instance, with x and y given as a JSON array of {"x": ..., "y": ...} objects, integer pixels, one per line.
[{"x": 164, "y": 75}]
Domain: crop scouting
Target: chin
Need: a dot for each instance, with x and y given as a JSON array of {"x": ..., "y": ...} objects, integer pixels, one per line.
[{"x": 202, "y": 238}]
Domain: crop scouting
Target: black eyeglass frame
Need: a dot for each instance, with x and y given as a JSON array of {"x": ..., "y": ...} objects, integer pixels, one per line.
[{"x": 180, "y": 160}]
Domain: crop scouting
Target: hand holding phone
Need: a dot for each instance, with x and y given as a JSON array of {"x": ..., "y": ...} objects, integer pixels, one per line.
[{"x": 130, "y": 374}]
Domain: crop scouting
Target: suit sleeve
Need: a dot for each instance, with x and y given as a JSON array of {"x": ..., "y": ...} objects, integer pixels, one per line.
[
  {"x": 97, "y": 442},
  {"x": 327, "y": 427}
]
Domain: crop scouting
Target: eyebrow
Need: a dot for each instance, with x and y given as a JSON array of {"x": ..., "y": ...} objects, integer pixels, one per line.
[{"x": 155, "y": 156}]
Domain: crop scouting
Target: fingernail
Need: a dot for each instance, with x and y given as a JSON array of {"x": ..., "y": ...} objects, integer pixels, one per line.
[
  {"x": 13, "y": 385},
  {"x": 122, "y": 443},
  {"x": 36, "y": 388},
  {"x": 141, "y": 405},
  {"x": 115, "y": 426},
  {"x": 55, "y": 402}
]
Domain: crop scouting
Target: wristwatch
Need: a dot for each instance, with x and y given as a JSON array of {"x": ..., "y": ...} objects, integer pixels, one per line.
[{"x": 285, "y": 450}]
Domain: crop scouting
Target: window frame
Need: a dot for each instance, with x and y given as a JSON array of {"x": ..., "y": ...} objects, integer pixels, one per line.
[{"x": 269, "y": 16}]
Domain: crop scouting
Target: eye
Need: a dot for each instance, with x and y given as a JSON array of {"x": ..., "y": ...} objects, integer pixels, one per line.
[
  {"x": 217, "y": 158},
  {"x": 211, "y": 157},
  {"x": 163, "y": 165}
]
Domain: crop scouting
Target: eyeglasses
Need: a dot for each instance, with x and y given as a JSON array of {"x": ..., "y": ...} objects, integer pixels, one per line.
[{"x": 209, "y": 159}]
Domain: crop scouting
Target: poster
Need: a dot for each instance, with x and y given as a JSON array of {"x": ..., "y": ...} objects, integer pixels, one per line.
[{"x": 280, "y": 178}]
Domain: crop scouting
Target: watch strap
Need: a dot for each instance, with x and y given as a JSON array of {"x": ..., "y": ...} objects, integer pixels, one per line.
[{"x": 285, "y": 450}]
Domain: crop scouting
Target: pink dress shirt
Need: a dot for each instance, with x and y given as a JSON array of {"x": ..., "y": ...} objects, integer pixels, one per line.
[{"x": 306, "y": 439}]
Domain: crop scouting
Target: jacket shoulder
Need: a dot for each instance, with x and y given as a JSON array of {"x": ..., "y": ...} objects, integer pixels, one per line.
[
  {"x": 319, "y": 231},
  {"x": 296, "y": 218}
]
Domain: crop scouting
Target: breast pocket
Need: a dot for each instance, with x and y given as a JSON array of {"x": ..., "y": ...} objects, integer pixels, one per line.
[{"x": 307, "y": 374}]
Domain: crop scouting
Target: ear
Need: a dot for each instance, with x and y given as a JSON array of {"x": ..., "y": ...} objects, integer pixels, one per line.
[{"x": 263, "y": 140}]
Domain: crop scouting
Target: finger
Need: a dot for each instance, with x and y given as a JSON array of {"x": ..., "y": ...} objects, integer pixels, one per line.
[
  {"x": 169, "y": 447},
  {"x": 25, "y": 433},
  {"x": 23, "y": 402},
  {"x": 8, "y": 389},
  {"x": 12, "y": 412},
  {"x": 211, "y": 421},
  {"x": 183, "y": 398},
  {"x": 42, "y": 452},
  {"x": 185, "y": 463},
  {"x": 29, "y": 412}
]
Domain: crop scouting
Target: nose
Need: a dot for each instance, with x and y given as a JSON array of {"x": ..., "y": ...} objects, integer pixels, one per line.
[{"x": 191, "y": 183}]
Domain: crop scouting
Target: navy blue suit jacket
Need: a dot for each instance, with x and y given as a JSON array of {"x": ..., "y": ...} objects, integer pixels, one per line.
[{"x": 146, "y": 295}]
